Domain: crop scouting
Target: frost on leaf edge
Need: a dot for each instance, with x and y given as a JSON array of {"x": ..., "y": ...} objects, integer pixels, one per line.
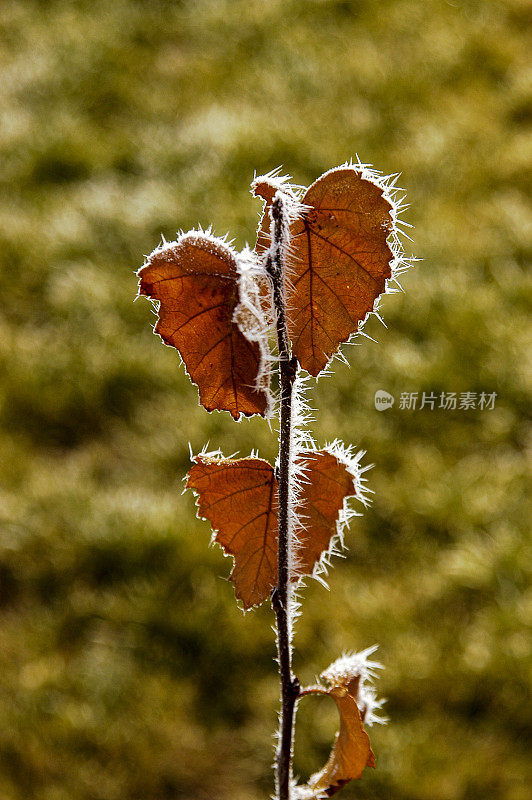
[{"x": 246, "y": 265}]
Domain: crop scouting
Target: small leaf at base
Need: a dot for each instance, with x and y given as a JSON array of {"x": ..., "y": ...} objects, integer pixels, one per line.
[{"x": 351, "y": 752}]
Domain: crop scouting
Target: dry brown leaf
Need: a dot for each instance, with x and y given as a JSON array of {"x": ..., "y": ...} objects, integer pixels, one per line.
[
  {"x": 195, "y": 282},
  {"x": 265, "y": 188},
  {"x": 339, "y": 257},
  {"x": 329, "y": 483},
  {"x": 347, "y": 680},
  {"x": 351, "y": 752},
  {"x": 240, "y": 500}
]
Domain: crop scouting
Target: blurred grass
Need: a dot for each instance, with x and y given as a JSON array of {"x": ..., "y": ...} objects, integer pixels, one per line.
[{"x": 126, "y": 669}]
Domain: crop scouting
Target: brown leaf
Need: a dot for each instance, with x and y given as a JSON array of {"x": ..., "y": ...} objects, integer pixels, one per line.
[
  {"x": 347, "y": 678},
  {"x": 340, "y": 260},
  {"x": 240, "y": 500},
  {"x": 351, "y": 752},
  {"x": 266, "y": 188},
  {"x": 322, "y": 499},
  {"x": 195, "y": 281}
]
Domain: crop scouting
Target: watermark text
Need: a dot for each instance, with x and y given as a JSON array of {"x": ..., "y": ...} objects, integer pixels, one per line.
[{"x": 433, "y": 401}]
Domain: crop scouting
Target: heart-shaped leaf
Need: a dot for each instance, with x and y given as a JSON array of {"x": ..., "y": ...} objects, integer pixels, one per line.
[
  {"x": 340, "y": 259},
  {"x": 195, "y": 281}
]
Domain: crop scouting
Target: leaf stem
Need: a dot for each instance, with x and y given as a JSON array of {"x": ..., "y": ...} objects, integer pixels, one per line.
[{"x": 281, "y": 594}]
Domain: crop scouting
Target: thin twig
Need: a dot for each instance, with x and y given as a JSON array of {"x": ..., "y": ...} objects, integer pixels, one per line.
[{"x": 281, "y": 594}]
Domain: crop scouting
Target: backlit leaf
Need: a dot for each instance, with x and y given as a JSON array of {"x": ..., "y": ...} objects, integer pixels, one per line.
[
  {"x": 267, "y": 186},
  {"x": 240, "y": 500},
  {"x": 266, "y": 189},
  {"x": 329, "y": 483},
  {"x": 195, "y": 281},
  {"x": 340, "y": 260},
  {"x": 351, "y": 752}
]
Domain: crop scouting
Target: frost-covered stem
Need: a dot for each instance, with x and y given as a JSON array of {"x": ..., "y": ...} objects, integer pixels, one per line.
[{"x": 281, "y": 594}]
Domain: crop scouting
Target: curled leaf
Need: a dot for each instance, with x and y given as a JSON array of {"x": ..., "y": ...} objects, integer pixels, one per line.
[
  {"x": 351, "y": 752},
  {"x": 240, "y": 499},
  {"x": 196, "y": 283},
  {"x": 267, "y": 186},
  {"x": 340, "y": 259}
]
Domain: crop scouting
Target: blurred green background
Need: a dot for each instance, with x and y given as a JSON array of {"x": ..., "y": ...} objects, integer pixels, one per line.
[{"x": 126, "y": 670}]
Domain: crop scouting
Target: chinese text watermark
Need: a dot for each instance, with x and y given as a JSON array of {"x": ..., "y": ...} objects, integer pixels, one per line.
[{"x": 432, "y": 401}]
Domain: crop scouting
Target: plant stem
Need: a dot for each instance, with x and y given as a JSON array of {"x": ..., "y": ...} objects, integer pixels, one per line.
[{"x": 281, "y": 594}]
